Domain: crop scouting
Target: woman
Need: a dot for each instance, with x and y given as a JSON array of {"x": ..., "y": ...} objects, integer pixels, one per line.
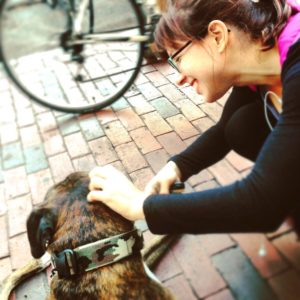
[{"x": 254, "y": 47}]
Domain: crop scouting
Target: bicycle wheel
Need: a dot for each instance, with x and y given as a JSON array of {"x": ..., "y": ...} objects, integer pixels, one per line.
[{"x": 31, "y": 35}]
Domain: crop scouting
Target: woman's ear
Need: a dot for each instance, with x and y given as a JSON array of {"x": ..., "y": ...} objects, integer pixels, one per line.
[
  {"x": 219, "y": 32},
  {"x": 40, "y": 229}
]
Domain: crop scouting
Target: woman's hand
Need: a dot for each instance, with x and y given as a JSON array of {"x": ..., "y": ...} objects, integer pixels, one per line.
[
  {"x": 112, "y": 188},
  {"x": 161, "y": 183}
]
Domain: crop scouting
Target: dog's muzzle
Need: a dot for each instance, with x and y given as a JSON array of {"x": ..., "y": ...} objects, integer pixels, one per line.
[{"x": 70, "y": 262}]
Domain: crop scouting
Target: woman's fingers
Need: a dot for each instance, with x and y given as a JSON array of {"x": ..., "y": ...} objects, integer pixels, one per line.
[
  {"x": 164, "y": 187},
  {"x": 152, "y": 187},
  {"x": 102, "y": 172},
  {"x": 95, "y": 195},
  {"x": 96, "y": 183}
]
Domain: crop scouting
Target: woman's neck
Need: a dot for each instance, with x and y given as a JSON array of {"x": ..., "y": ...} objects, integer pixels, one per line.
[{"x": 257, "y": 67}]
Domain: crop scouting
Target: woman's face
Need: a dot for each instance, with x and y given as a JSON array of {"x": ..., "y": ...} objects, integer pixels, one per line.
[{"x": 203, "y": 67}]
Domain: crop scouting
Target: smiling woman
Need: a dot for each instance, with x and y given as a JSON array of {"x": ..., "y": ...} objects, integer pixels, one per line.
[{"x": 252, "y": 47}]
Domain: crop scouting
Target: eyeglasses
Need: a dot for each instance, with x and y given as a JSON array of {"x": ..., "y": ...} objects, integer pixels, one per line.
[{"x": 171, "y": 60}]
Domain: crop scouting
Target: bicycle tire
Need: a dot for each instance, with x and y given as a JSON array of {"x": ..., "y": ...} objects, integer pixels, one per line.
[{"x": 42, "y": 80}]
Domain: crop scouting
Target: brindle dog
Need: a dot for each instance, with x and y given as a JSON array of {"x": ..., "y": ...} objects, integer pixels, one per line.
[{"x": 65, "y": 220}]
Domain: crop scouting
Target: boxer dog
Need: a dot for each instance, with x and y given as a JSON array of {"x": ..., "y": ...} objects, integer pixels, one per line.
[{"x": 95, "y": 252}]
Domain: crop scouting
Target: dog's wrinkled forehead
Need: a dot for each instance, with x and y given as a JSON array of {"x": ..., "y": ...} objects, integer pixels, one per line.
[{"x": 75, "y": 186}]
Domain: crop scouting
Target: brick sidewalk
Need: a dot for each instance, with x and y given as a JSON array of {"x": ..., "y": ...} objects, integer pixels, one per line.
[{"x": 137, "y": 135}]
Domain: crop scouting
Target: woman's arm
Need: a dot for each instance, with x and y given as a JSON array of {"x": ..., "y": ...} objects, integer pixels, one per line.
[
  {"x": 257, "y": 203},
  {"x": 211, "y": 146}
]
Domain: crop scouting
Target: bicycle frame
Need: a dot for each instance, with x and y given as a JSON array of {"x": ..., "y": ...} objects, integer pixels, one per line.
[{"x": 78, "y": 38}]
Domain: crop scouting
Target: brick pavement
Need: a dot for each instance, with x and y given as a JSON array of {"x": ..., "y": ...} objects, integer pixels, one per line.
[{"x": 137, "y": 135}]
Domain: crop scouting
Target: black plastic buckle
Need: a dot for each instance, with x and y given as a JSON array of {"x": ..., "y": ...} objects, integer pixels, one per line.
[{"x": 65, "y": 263}]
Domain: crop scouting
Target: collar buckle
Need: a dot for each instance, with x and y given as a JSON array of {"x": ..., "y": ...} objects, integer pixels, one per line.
[{"x": 64, "y": 263}]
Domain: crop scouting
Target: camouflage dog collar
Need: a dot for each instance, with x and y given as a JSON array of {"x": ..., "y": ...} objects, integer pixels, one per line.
[{"x": 95, "y": 255}]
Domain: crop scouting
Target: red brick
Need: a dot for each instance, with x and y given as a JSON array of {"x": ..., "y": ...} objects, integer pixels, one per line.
[
  {"x": 191, "y": 140},
  {"x": 5, "y": 268},
  {"x": 7, "y": 114},
  {"x": 4, "y": 251},
  {"x": 129, "y": 119},
  {"x": 167, "y": 267},
  {"x": 238, "y": 162},
  {"x": 39, "y": 183},
  {"x": 156, "y": 124},
  {"x": 38, "y": 109},
  {"x": 141, "y": 177},
  {"x": 201, "y": 177},
  {"x": 203, "y": 124},
  {"x": 140, "y": 79},
  {"x": 119, "y": 166},
  {"x": 206, "y": 186},
  {"x": 61, "y": 166},
  {"x": 18, "y": 211},
  {"x": 76, "y": 145},
  {"x": 19, "y": 250},
  {"x": 286, "y": 285},
  {"x": 106, "y": 115},
  {"x": 74, "y": 94},
  {"x": 144, "y": 140},
  {"x": 131, "y": 157},
  {"x": 53, "y": 142},
  {"x": 157, "y": 159},
  {"x": 213, "y": 110},
  {"x": 116, "y": 133},
  {"x": 6, "y": 99},
  {"x": 15, "y": 182},
  {"x": 214, "y": 243},
  {"x": 85, "y": 163},
  {"x": 171, "y": 143},
  {"x": 224, "y": 172},
  {"x": 182, "y": 126},
  {"x": 141, "y": 106},
  {"x": 267, "y": 265},
  {"x": 4, "y": 84},
  {"x": 103, "y": 151},
  {"x": 8, "y": 133},
  {"x": 289, "y": 247},
  {"x": 172, "y": 92},
  {"x": 3, "y": 207},
  {"x": 284, "y": 227},
  {"x": 157, "y": 78},
  {"x": 165, "y": 69},
  {"x": 197, "y": 267},
  {"x": 20, "y": 99},
  {"x": 149, "y": 91},
  {"x": 30, "y": 136},
  {"x": 192, "y": 95},
  {"x": 223, "y": 295},
  {"x": 46, "y": 121},
  {"x": 189, "y": 109},
  {"x": 25, "y": 117},
  {"x": 180, "y": 287},
  {"x": 147, "y": 69}
]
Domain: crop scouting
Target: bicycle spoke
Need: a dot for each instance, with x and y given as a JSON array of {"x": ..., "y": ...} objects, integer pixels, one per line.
[{"x": 65, "y": 71}]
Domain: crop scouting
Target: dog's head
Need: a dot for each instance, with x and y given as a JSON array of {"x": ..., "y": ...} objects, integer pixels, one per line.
[{"x": 66, "y": 220}]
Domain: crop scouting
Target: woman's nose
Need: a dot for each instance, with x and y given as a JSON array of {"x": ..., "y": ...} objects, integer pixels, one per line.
[{"x": 181, "y": 79}]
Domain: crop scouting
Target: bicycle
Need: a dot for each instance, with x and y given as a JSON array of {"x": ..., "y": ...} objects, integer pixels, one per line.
[{"x": 73, "y": 56}]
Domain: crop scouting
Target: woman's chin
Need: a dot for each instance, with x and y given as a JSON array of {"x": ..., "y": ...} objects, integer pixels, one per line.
[{"x": 208, "y": 98}]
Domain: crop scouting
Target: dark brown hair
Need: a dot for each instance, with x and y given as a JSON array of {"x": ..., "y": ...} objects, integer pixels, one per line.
[{"x": 189, "y": 19}]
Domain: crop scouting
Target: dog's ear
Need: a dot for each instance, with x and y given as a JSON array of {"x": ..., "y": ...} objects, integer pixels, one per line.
[{"x": 40, "y": 229}]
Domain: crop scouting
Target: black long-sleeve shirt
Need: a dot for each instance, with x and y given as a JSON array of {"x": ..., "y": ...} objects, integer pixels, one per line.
[{"x": 256, "y": 203}]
